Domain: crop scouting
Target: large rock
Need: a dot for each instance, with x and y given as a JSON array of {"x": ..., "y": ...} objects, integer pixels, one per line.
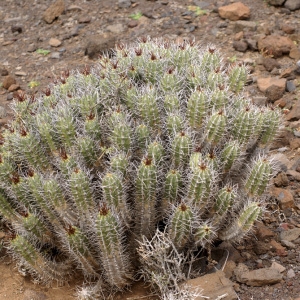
[
  {"x": 294, "y": 114},
  {"x": 292, "y": 4},
  {"x": 54, "y": 11},
  {"x": 97, "y": 45},
  {"x": 234, "y": 12},
  {"x": 265, "y": 82},
  {"x": 272, "y": 87},
  {"x": 8, "y": 81},
  {"x": 258, "y": 277},
  {"x": 275, "y": 45},
  {"x": 284, "y": 197},
  {"x": 290, "y": 235},
  {"x": 214, "y": 286}
]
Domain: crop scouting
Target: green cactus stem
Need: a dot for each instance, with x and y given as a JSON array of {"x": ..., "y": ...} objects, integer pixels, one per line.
[
  {"x": 204, "y": 234},
  {"x": 258, "y": 177},
  {"x": 242, "y": 223},
  {"x": 196, "y": 108},
  {"x": 38, "y": 264},
  {"x": 200, "y": 185},
  {"x": 181, "y": 149},
  {"x": 180, "y": 227},
  {"x": 216, "y": 127},
  {"x": 114, "y": 257},
  {"x": 237, "y": 78},
  {"x": 145, "y": 200},
  {"x": 230, "y": 154},
  {"x": 79, "y": 248}
]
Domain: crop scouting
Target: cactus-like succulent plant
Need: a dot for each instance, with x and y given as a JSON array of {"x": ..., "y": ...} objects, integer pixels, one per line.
[{"x": 158, "y": 137}]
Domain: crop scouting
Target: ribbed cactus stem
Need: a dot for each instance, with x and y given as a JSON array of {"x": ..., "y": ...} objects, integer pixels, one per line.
[
  {"x": 200, "y": 185},
  {"x": 216, "y": 127},
  {"x": 270, "y": 125},
  {"x": 171, "y": 102},
  {"x": 119, "y": 163},
  {"x": 29, "y": 149},
  {"x": 66, "y": 162},
  {"x": 180, "y": 227},
  {"x": 196, "y": 108},
  {"x": 92, "y": 126},
  {"x": 114, "y": 195},
  {"x": 87, "y": 149},
  {"x": 148, "y": 108},
  {"x": 81, "y": 192},
  {"x": 145, "y": 200},
  {"x": 215, "y": 79},
  {"x": 155, "y": 152},
  {"x": 230, "y": 154},
  {"x": 55, "y": 198},
  {"x": 174, "y": 124},
  {"x": 258, "y": 177},
  {"x": 169, "y": 82},
  {"x": 173, "y": 184},
  {"x": 37, "y": 264},
  {"x": 243, "y": 125},
  {"x": 20, "y": 190},
  {"x": 113, "y": 254},
  {"x": 224, "y": 200},
  {"x": 195, "y": 160},
  {"x": 210, "y": 60},
  {"x": 181, "y": 149},
  {"x": 65, "y": 127},
  {"x": 45, "y": 128},
  {"x": 219, "y": 98},
  {"x": 7, "y": 210},
  {"x": 36, "y": 228},
  {"x": 243, "y": 223},
  {"x": 204, "y": 234},
  {"x": 143, "y": 135},
  {"x": 6, "y": 168},
  {"x": 79, "y": 248},
  {"x": 237, "y": 78},
  {"x": 121, "y": 136}
]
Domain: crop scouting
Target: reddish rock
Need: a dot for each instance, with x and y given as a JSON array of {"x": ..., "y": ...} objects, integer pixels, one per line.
[
  {"x": 294, "y": 114},
  {"x": 13, "y": 87},
  {"x": 284, "y": 197},
  {"x": 258, "y": 277},
  {"x": 295, "y": 144},
  {"x": 132, "y": 24},
  {"x": 280, "y": 250},
  {"x": 54, "y": 11},
  {"x": 281, "y": 180},
  {"x": 294, "y": 53},
  {"x": 294, "y": 174},
  {"x": 8, "y": 81},
  {"x": 53, "y": 42},
  {"x": 234, "y": 12},
  {"x": 263, "y": 232},
  {"x": 275, "y": 45},
  {"x": 214, "y": 285},
  {"x": 288, "y": 28},
  {"x": 264, "y": 83},
  {"x": 270, "y": 63}
]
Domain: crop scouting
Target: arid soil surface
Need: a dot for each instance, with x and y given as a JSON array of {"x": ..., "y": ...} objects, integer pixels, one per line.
[{"x": 36, "y": 45}]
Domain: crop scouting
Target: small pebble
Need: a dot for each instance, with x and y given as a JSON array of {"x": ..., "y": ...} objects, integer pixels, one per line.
[{"x": 290, "y": 273}]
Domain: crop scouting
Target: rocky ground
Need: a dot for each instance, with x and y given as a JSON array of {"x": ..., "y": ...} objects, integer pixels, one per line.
[{"x": 41, "y": 39}]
